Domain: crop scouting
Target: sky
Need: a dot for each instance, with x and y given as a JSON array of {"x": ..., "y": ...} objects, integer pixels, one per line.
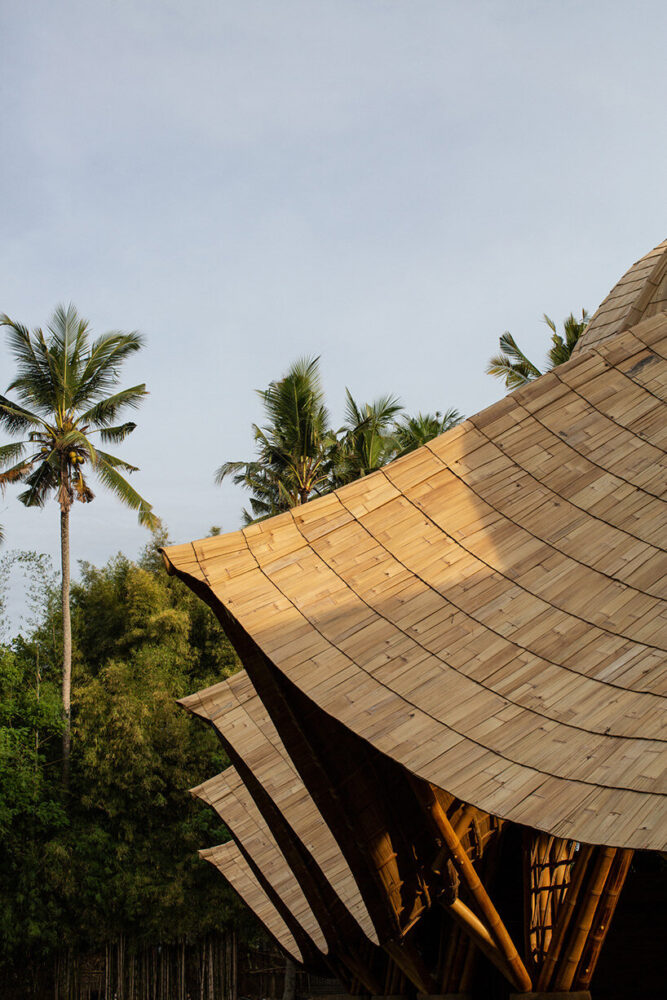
[{"x": 388, "y": 184}]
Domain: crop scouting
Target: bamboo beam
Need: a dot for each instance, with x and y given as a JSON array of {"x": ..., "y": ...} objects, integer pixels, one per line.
[
  {"x": 603, "y": 915},
  {"x": 564, "y": 916},
  {"x": 480, "y": 934},
  {"x": 569, "y": 964},
  {"x": 464, "y": 820},
  {"x": 519, "y": 976}
]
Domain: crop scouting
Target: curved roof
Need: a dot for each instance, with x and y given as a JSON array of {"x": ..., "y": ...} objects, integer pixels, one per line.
[
  {"x": 489, "y": 611},
  {"x": 228, "y": 859},
  {"x": 230, "y": 798},
  {"x": 641, "y": 292},
  {"x": 238, "y": 713}
]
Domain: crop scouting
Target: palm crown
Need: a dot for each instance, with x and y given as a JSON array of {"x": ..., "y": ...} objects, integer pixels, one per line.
[
  {"x": 366, "y": 443},
  {"x": 299, "y": 456},
  {"x": 516, "y": 369},
  {"x": 292, "y": 447},
  {"x": 61, "y": 399}
]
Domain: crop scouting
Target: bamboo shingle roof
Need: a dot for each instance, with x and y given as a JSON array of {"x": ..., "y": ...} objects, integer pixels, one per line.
[
  {"x": 230, "y": 798},
  {"x": 489, "y": 610},
  {"x": 229, "y": 860},
  {"x": 236, "y": 710}
]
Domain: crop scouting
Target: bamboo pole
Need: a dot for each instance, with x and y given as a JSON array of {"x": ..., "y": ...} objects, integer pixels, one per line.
[
  {"x": 564, "y": 853},
  {"x": 464, "y": 820},
  {"x": 602, "y": 920},
  {"x": 480, "y": 934},
  {"x": 527, "y": 841},
  {"x": 519, "y": 976},
  {"x": 570, "y": 961},
  {"x": 564, "y": 916}
]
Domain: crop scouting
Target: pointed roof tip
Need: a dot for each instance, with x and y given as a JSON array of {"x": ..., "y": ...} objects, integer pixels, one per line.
[
  {"x": 197, "y": 792},
  {"x": 190, "y": 702},
  {"x": 640, "y": 293},
  {"x": 166, "y": 561},
  {"x": 182, "y": 559}
]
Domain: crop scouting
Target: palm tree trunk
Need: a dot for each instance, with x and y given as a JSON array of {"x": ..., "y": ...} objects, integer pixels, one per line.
[{"x": 67, "y": 636}]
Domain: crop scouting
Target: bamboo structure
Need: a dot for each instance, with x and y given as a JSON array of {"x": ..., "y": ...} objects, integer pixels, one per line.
[{"x": 455, "y": 660}]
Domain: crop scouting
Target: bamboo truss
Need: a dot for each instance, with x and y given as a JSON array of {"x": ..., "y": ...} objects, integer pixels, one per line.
[{"x": 454, "y": 673}]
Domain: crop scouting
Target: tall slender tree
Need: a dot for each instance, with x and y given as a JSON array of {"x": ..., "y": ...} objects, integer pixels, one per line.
[
  {"x": 293, "y": 447},
  {"x": 515, "y": 369},
  {"x": 63, "y": 395},
  {"x": 366, "y": 442}
]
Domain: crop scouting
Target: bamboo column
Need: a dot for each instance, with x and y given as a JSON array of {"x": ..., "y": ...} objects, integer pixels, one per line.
[
  {"x": 518, "y": 973},
  {"x": 570, "y": 960},
  {"x": 603, "y": 916}
]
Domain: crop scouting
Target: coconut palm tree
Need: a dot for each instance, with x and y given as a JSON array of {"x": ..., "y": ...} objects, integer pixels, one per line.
[
  {"x": 516, "y": 369},
  {"x": 63, "y": 396},
  {"x": 366, "y": 439},
  {"x": 293, "y": 446},
  {"x": 412, "y": 432}
]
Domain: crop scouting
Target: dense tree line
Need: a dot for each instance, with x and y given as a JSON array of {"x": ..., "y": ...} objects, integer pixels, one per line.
[{"x": 115, "y": 854}]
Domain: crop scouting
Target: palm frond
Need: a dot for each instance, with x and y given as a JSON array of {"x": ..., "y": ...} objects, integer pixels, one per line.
[
  {"x": 33, "y": 380},
  {"x": 228, "y": 469},
  {"x": 102, "y": 369},
  {"x": 511, "y": 364},
  {"x": 68, "y": 340},
  {"x": 561, "y": 348},
  {"x": 115, "y": 462},
  {"x": 106, "y": 410},
  {"x": 114, "y": 435},
  {"x": 17, "y": 419},
  {"x": 121, "y": 489},
  {"x": 18, "y": 472},
  {"x": 11, "y": 452},
  {"x": 353, "y": 414},
  {"x": 511, "y": 349},
  {"x": 40, "y": 482}
]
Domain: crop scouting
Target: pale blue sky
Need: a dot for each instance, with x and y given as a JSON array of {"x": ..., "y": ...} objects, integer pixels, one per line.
[{"x": 389, "y": 184}]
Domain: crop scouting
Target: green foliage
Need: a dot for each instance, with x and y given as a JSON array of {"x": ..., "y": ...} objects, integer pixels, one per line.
[
  {"x": 63, "y": 396},
  {"x": 299, "y": 456},
  {"x": 366, "y": 442},
  {"x": 116, "y": 853},
  {"x": 292, "y": 447},
  {"x": 413, "y": 432},
  {"x": 515, "y": 369},
  {"x": 32, "y": 817}
]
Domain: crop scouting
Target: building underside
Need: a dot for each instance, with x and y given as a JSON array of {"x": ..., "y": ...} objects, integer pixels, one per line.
[{"x": 448, "y": 738}]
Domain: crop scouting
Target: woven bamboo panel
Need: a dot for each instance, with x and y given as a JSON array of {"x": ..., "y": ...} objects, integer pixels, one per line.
[
  {"x": 228, "y": 859},
  {"x": 235, "y": 709},
  {"x": 490, "y": 610},
  {"x": 228, "y": 795}
]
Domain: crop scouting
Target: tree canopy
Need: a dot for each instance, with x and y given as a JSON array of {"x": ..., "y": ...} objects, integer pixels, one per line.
[
  {"x": 118, "y": 854},
  {"x": 299, "y": 455},
  {"x": 515, "y": 369},
  {"x": 64, "y": 395}
]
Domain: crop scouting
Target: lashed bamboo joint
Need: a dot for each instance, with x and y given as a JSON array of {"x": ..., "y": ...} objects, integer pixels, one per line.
[{"x": 455, "y": 662}]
